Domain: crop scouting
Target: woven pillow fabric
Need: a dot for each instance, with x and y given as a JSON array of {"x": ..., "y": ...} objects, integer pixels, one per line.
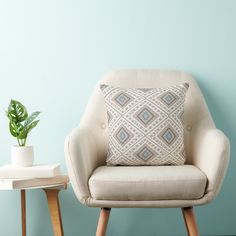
[{"x": 145, "y": 126}]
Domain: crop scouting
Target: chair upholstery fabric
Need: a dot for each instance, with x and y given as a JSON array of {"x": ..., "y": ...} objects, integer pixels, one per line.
[
  {"x": 206, "y": 147},
  {"x": 141, "y": 183}
]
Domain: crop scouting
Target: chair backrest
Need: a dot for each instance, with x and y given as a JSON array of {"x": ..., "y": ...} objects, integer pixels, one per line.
[{"x": 196, "y": 110}]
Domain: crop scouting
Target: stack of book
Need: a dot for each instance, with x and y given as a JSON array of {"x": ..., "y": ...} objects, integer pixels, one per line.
[{"x": 16, "y": 177}]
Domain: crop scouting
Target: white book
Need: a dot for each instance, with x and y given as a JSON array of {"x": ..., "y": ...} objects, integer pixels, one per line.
[
  {"x": 36, "y": 171},
  {"x": 7, "y": 184}
]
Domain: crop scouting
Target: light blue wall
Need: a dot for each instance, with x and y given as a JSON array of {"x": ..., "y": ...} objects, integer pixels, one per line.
[{"x": 53, "y": 52}]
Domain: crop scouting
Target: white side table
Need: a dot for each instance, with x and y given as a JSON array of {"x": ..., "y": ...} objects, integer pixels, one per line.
[{"x": 52, "y": 191}]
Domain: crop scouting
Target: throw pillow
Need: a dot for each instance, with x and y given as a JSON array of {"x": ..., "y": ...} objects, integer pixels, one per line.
[{"x": 145, "y": 125}]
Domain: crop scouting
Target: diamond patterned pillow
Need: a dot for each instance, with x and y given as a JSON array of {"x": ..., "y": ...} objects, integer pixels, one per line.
[{"x": 145, "y": 126}]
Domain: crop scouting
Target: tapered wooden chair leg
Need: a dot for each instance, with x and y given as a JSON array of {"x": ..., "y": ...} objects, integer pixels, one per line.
[
  {"x": 54, "y": 208},
  {"x": 102, "y": 222},
  {"x": 190, "y": 222}
]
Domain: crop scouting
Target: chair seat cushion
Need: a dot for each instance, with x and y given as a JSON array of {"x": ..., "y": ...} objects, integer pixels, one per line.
[{"x": 140, "y": 183}]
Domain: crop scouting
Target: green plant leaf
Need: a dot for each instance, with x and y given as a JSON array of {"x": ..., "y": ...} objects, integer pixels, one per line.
[
  {"x": 20, "y": 124},
  {"x": 15, "y": 128},
  {"x": 26, "y": 129},
  {"x": 32, "y": 125},
  {"x": 23, "y": 134},
  {"x": 31, "y": 118},
  {"x": 16, "y": 111}
]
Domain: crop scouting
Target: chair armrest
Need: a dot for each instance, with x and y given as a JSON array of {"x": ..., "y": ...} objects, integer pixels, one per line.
[
  {"x": 81, "y": 160},
  {"x": 211, "y": 152}
]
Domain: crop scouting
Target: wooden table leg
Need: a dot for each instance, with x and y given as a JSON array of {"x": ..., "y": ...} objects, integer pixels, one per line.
[
  {"x": 54, "y": 208},
  {"x": 23, "y": 212}
]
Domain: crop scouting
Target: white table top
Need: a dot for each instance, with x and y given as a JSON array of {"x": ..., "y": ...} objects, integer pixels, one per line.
[{"x": 59, "y": 182}]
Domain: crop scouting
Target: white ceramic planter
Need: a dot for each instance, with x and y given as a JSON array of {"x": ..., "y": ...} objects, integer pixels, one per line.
[{"x": 22, "y": 156}]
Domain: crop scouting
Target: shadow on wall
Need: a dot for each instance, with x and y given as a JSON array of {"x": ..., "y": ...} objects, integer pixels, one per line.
[
  {"x": 146, "y": 221},
  {"x": 216, "y": 110}
]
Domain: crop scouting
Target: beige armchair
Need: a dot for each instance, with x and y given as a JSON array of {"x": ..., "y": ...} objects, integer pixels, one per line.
[{"x": 193, "y": 184}]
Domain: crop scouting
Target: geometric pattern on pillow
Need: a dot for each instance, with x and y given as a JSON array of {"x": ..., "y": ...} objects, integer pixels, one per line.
[{"x": 145, "y": 125}]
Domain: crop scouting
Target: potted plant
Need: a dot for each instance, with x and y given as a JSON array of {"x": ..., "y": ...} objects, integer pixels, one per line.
[{"x": 20, "y": 124}]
